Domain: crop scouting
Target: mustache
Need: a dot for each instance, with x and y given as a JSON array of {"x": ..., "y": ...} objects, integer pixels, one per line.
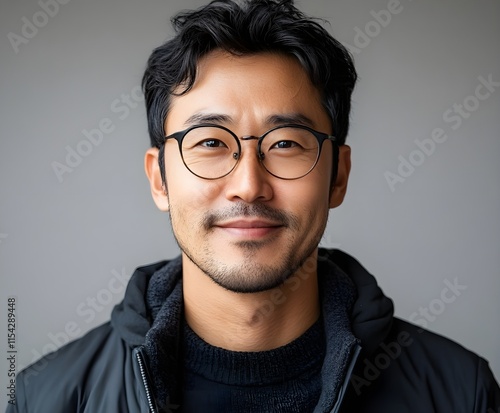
[{"x": 239, "y": 210}]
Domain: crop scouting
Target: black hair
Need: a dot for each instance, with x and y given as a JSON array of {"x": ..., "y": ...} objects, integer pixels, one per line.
[{"x": 248, "y": 27}]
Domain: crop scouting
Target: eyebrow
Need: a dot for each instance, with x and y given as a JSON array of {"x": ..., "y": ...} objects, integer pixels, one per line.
[
  {"x": 207, "y": 118},
  {"x": 271, "y": 120},
  {"x": 293, "y": 118}
]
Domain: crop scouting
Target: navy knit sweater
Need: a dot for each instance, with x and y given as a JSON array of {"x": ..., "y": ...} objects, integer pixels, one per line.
[{"x": 286, "y": 379}]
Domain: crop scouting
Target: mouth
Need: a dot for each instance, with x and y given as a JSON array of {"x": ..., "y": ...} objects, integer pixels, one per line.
[{"x": 249, "y": 228}]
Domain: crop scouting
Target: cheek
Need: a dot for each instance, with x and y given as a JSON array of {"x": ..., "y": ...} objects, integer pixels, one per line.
[
  {"x": 308, "y": 199},
  {"x": 314, "y": 188},
  {"x": 189, "y": 196},
  {"x": 185, "y": 190}
]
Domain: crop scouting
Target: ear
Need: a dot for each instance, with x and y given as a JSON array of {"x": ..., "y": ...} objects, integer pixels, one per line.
[
  {"x": 152, "y": 169},
  {"x": 344, "y": 167}
]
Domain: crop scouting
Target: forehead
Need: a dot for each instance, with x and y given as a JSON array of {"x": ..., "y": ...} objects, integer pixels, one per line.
[{"x": 247, "y": 89}]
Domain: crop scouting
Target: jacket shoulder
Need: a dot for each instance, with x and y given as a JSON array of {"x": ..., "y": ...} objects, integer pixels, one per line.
[
  {"x": 460, "y": 374},
  {"x": 424, "y": 371},
  {"x": 62, "y": 381}
]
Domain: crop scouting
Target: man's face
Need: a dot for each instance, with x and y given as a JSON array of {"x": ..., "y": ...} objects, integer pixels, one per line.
[{"x": 249, "y": 230}]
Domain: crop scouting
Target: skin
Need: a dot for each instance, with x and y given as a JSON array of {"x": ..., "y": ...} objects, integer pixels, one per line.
[{"x": 249, "y": 276}]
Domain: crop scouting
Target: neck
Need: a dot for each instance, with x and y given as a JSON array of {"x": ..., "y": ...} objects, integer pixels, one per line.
[{"x": 254, "y": 321}]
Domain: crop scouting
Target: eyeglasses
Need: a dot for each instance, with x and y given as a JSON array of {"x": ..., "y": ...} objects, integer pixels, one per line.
[{"x": 286, "y": 151}]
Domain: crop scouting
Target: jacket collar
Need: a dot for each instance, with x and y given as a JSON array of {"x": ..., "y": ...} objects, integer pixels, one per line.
[
  {"x": 371, "y": 315},
  {"x": 354, "y": 310}
]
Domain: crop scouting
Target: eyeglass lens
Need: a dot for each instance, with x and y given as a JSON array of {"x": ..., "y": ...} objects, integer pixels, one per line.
[{"x": 212, "y": 152}]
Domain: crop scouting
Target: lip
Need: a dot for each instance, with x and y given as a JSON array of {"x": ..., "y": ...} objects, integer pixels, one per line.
[
  {"x": 249, "y": 223},
  {"x": 249, "y": 228}
]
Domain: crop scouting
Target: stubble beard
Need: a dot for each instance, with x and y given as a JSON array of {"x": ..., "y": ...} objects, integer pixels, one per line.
[{"x": 250, "y": 276}]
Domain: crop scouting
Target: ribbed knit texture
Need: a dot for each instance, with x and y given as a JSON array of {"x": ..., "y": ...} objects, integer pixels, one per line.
[{"x": 286, "y": 379}]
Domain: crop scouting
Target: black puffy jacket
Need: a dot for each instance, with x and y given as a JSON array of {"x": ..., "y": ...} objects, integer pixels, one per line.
[{"x": 399, "y": 367}]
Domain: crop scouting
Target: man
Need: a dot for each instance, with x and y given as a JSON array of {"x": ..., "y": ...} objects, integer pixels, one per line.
[{"x": 248, "y": 109}]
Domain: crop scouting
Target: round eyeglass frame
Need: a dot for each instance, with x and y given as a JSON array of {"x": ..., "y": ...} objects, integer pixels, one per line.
[{"x": 320, "y": 136}]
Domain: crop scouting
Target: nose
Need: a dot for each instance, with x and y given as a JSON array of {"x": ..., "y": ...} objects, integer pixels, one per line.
[{"x": 249, "y": 181}]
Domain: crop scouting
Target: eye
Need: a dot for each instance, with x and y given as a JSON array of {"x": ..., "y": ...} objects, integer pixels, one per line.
[
  {"x": 212, "y": 143},
  {"x": 285, "y": 145}
]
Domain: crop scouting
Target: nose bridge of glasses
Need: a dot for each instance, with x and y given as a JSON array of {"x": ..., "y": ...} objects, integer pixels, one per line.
[{"x": 260, "y": 155}]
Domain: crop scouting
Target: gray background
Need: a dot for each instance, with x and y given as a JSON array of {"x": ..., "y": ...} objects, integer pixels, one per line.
[{"x": 61, "y": 243}]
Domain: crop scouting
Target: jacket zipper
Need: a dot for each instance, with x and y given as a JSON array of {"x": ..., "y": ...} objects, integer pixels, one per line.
[
  {"x": 142, "y": 368},
  {"x": 336, "y": 407},
  {"x": 345, "y": 384}
]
